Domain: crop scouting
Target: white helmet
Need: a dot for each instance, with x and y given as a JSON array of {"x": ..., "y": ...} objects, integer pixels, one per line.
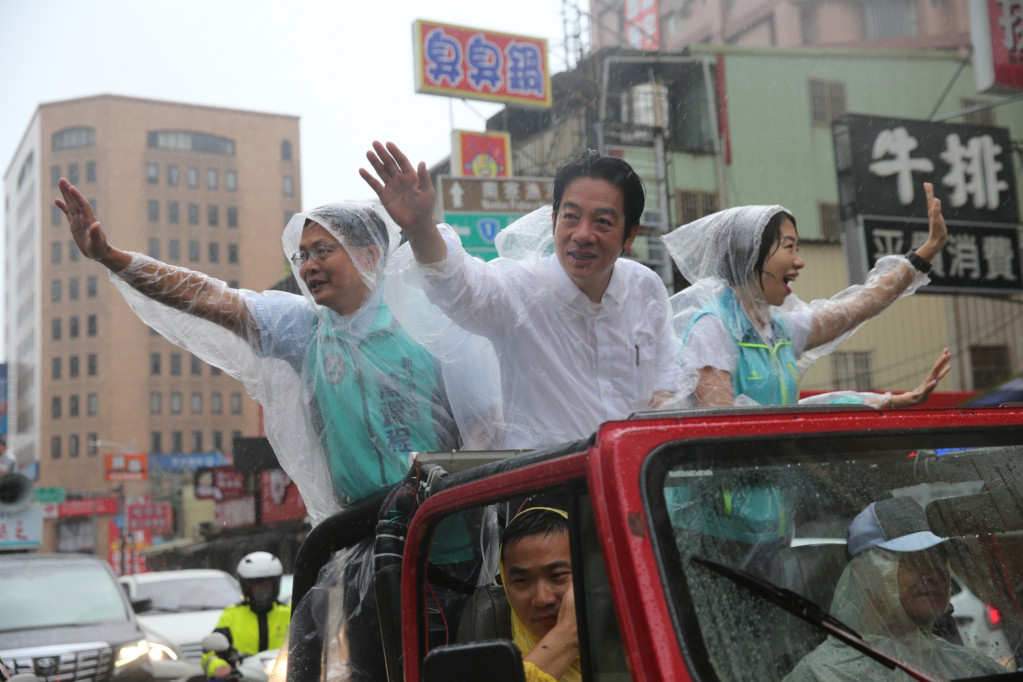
[{"x": 259, "y": 565}]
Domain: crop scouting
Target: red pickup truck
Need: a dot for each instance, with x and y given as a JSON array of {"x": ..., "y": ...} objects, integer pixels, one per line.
[{"x": 707, "y": 545}]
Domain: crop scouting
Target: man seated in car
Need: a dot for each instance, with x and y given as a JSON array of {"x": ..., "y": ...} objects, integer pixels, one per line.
[
  {"x": 894, "y": 588},
  {"x": 536, "y": 571}
]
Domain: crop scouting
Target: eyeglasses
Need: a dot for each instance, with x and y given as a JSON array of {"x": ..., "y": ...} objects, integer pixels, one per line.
[{"x": 317, "y": 253}]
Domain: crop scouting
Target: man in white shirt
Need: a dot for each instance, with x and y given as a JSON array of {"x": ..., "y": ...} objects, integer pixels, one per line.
[{"x": 582, "y": 337}]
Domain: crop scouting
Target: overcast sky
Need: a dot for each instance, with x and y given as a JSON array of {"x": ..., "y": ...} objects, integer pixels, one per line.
[{"x": 343, "y": 66}]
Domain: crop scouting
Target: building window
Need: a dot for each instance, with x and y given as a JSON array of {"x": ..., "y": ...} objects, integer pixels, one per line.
[
  {"x": 827, "y": 218},
  {"x": 72, "y": 138},
  {"x": 72, "y": 328},
  {"x": 154, "y": 248},
  {"x": 186, "y": 141},
  {"x": 91, "y": 286},
  {"x": 213, "y": 215},
  {"x": 218, "y": 441},
  {"x": 232, "y": 216},
  {"x": 193, "y": 214},
  {"x": 92, "y": 364},
  {"x": 176, "y": 442},
  {"x": 827, "y": 101},
  {"x": 214, "y": 249},
  {"x": 92, "y": 404},
  {"x": 154, "y": 364},
  {"x": 72, "y": 288},
  {"x": 92, "y": 325},
  {"x": 56, "y": 251},
  {"x": 72, "y": 173},
  {"x": 236, "y": 403},
  {"x": 286, "y": 150},
  {"x": 196, "y": 364},
  {"x": 153, "y": 210},
  {"x": 90, "y": 171},
  {"x": 196, "y": 402},
  {"x": 72, "y": 406},
  {"x": 216, "y": 402},
  {"x": 175, "y": 364},
  {"x": 55, "y": 370},
  {"x": 980, "y": 117},
  {"x": 174, "y": 250},
  {"x": 289, "y": 186},
  {"x": 152, "y": 173},
  {"x": 155, "y": 442},
  {"x": 990, "y": 365},
  {"x": 173, "y": 212},
  {"x": 56, "y": 215},
  {"x": 889, "y": 19},
  {"x": 73, "y": 254},
  {"x": 175, "y": 403},
  {"x": 173, "y": 176},
  {"x": 212, "y": 180},
  {"x": 193, "y": 177},
  {"x": 55, "y": 175},
  {"x": 55, "y": 291},
  {"x": 155, "y": 402},
  {"x": 72, "y": 446},
  {"x": 55, "y": 447},
  {"x": 232, "y": 253},
  {"x": 853, "y": 370},
  {"x": 197, "y": 441},
  {"x": 214, "y": 370},
  {"x": 91, "y": 448},
  {"x": 193, "y": 251},
  {"x": 693, "y": 204},
  {"x": 55, "y": 329},
  {"x": 72, "y": 367},
  {"x": 231, "y": 180},
  {"x": 55, "y": 407}
]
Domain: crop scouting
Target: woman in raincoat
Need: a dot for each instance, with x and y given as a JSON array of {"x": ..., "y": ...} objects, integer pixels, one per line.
[
  {"x": 745, "y": 338},
  {"x": 891, "y": 593},
  {"x": 347, "y": 394}
]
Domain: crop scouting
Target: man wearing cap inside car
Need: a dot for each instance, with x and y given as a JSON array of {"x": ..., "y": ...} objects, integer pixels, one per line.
[{"x": 892, "y": 591}]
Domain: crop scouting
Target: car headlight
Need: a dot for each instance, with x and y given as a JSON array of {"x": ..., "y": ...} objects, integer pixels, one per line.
[
  {"x": 161, "y": 652},
  {"x": 129, "y": 653}
]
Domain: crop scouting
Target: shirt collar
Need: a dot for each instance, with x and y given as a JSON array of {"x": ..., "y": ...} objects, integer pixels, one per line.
[{"x": 569, "y": 294}]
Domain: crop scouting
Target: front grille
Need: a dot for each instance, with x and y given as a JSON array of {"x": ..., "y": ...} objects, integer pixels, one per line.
[
  {"x": 90, "y": 662},
  {"x": 192, "y": 651}
]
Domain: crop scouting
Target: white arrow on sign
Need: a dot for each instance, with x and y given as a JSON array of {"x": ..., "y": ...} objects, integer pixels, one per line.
[{"x": 456, "y": 193}]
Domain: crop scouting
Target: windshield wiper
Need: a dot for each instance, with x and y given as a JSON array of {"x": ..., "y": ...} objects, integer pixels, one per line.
[{"x": 803, "y": 608}]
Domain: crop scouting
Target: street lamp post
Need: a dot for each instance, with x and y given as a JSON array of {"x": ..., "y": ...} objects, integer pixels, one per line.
[{"x": 122, "y": 510}]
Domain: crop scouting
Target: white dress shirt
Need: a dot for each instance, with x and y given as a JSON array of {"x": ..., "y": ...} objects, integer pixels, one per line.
[{"x": 566, "y": 364}]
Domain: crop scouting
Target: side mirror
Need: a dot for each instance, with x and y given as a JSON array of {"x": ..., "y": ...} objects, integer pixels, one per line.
[
  {"x": 496, "y": 660},
  {"x": 215, "y": 641},
  {"x": 142, "y": 605}
]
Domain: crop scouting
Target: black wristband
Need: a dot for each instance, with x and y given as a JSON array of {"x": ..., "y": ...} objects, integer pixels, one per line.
[{"x": 918, "y": 262}]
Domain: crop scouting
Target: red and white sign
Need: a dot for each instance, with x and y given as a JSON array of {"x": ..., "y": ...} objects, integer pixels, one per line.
[
  {"x": 480, "y": 155},
  {"x": 279, "y": 498},
  {"x": 458, "y": 61},
  {"x": 21, "y": 529},
  {"x": 126, "y": 466},
  {"x": 90, "y": 506},
  {"x": 156, "y": 518},
  {"x": 219, "y": 483},
  {"x": 996, "y": 30},
  {"x": 235, "y": 513}
]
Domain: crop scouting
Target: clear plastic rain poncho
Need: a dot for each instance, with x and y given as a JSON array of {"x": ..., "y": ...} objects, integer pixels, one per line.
[
  {"x": 539, "y": 335},
  {"x": 346, "y": 397},
  {"x": 867, "y": 600},
  {"x": 724, "y": 321}
]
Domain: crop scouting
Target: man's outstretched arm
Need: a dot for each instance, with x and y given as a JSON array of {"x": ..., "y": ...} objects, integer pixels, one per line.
[
  {"x": 408, "y": 194},
  {"x": 180, "y": 288}
]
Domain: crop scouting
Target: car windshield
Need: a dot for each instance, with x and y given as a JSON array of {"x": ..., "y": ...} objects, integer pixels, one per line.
[
  {"x": 191, "y": 594},
  {"x": 51, "y": 595},
  {"x": 780, "y": 510}
]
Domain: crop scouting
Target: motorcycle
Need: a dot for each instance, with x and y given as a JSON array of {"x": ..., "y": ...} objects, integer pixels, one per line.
[{"x": 254, "y": 668}]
